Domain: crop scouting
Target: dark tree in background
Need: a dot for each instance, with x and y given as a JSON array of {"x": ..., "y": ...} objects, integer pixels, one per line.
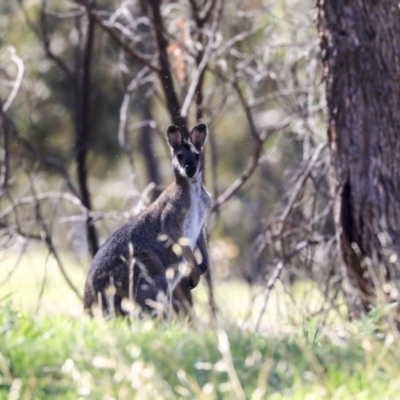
[{"x": 360, "y": 42}]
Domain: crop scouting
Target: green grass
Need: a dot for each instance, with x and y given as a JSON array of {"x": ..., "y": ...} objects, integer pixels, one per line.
[
  {"x": 65, "y": 357},
  {"x": 50, "y": 350}
]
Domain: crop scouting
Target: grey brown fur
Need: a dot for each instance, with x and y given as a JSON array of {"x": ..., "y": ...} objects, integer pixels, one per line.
[{"x": 148, "y": 239}]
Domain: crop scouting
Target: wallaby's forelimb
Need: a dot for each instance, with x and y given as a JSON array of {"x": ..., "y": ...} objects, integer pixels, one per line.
[{"x": 202, "y": 246}]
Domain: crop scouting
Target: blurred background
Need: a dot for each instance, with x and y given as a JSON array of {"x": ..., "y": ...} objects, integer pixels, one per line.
[{"x": 88, "y": 89}]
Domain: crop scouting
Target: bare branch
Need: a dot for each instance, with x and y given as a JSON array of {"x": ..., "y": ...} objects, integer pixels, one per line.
[
  {"x": 302, "y": 178},
  {"x": 277, "y": 272},
  {"x": 202, "y": 61},
  {"x": 164, "y": 73},
  {"x": 46, "y": 43},
  {"x": 18, "y": 80},
  {"x": 257, "y": 152},
  {"x": 51, "y": 163},
  {"x": 5, "y": 170},
  {"x": 138, "y": 81},
  {"x": 49, "y": 243},
  {"x": 239, "y": 182},
  {"x": 135, "y": 55}
]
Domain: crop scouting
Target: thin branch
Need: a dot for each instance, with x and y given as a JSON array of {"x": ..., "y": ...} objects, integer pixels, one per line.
[
  {"x": 239, "y": 182},
  {"x": 252, "y": 166},
  {"x": 12, "y": 270},
  {"x": 164, "y": 73},
  {"x": 203, "y": 56},
  {"x": 249, "y": 115},
  {"x": 277, "y": 272},
  {"x": 44, "y": 196},
  {"x": 205, "y": 14},
  {"x": 49, "y": 242},
  {"x": 301, "y": 180},
  {"x": 139, "y": 80},
  {"x": 93, "y": 15},
  {"x": 52, "y": 163},
  {"x": 18, "y": 80},
  {"x": 46, "y": 43},
  {"x": 202, "y": 60},
  {"x": 195, "y": 86},
  {"x": 5, "y": 171},
  {"x": 44, "y": 281}
]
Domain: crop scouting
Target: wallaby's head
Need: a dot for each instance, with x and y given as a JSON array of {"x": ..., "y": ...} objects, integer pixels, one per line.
[{"x": 187, "y": 153}]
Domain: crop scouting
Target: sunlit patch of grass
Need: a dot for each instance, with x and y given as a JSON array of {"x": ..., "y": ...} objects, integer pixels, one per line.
[
  {"x": 242, "y": 304},
  {"x": 34, "y": 282}
]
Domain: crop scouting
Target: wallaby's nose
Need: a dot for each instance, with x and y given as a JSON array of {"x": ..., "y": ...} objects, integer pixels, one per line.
[{"x": 190, "y": 170}]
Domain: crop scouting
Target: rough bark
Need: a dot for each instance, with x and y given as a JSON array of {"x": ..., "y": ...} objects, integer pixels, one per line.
[{"x": 360, "y": 43}]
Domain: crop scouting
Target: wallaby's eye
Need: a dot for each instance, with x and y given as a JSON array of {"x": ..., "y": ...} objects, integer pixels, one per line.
[
  {"x": 197, "y": 156},
  {"x": 179, "y": 156}
]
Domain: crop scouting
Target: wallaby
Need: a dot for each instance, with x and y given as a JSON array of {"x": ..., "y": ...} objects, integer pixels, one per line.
[{"x": 142, "y": 261}]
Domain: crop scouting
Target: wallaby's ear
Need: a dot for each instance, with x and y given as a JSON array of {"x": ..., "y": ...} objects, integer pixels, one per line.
[
  {"x": 174, "y": 136},
  {"x": 198, "y": 135}
]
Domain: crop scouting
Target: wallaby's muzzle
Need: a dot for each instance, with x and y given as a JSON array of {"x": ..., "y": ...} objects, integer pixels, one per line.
[{"x": 190, "y": 170}]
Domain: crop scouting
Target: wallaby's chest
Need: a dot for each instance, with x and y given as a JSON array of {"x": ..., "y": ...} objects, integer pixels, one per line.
[{"x": 197, "y": 213}]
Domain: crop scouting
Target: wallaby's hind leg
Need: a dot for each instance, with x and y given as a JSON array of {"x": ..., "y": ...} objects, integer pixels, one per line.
[
  {"x": 151, "y": 286},
  {"x": 88, "y": 297},
  {"x": 106, "y": 291},
  {"x": 148, "y": 284}
]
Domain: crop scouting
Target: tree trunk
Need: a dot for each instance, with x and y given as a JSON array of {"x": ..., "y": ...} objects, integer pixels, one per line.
[
  {"x": 360, "y": 42},
  {"x": 165, "y": 74},
  {"x": 82, "y": 133},
  {"x": 147, "y": 149}
]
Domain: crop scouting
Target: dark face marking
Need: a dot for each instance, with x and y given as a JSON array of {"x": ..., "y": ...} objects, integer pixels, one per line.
[
  {"x": 187, "y": 159},
  {"x": 187, "y": 153}
]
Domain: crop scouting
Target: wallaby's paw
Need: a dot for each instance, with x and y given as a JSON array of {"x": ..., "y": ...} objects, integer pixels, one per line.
[
  {"x": 192, "y": 280},
  {"x": 188, "y": 282},
  {"x": 202, "y": 268}
]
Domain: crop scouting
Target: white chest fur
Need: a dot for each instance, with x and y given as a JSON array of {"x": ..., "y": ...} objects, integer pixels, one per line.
[{"x": 198, "y": 211}]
